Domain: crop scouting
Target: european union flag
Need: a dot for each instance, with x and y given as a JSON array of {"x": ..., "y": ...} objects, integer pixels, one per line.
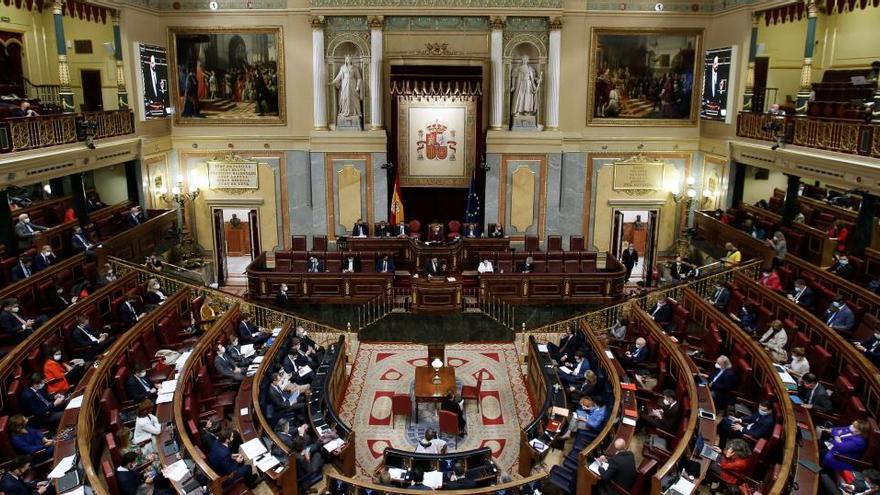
[{"x": 473, "y": 211}]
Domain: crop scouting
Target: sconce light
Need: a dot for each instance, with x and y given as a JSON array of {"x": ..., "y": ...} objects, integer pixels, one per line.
[
  {"x": 689, "y": 194},
  {"x": 47, "y": 188},
  {"x": 178, "y": 195}
]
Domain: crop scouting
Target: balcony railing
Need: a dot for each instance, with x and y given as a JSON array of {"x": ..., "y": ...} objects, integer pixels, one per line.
[
  {"x": 843, "y": 136},
  {"x": 28, "y": 133}
]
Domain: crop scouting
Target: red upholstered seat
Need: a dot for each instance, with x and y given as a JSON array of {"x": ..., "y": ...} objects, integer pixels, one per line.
[
  {"x": 576, "y": 243},
  {"x": 319, "y": 243},
  {"x": 469, "y": 392},
  {"x": 400, "y": 404},
  {"x": 449, "y": 424},
  {"x": 554, "y": 243}
]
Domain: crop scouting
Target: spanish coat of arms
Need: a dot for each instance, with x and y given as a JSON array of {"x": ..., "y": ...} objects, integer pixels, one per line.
[{"x": 435, "y": 144}]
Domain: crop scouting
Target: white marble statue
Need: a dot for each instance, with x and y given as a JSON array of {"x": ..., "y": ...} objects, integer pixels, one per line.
[
  {"x": 524, "y": 85},
  {"x": 348, "y": 80}
]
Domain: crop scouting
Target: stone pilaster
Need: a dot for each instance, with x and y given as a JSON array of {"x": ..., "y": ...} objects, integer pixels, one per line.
[
  {"x": 376, "y": 57},
  {"x": 553, "y": 71},
  {"x": 319, "y": 78}
]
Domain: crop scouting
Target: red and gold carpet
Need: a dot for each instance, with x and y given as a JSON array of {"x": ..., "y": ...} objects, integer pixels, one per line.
[{"x": 381, "y": 370}]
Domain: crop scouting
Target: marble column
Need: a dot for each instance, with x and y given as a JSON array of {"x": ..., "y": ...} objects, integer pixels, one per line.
[
  {"x": 553, "y": 68},
  {"x": 496, "y": 116},
  {"x": 121, "y": 93},
  {"x": 803, "y": 95},
  {"x": 376, "y": 24},
  {"x": 749, "y": 95},
  {"x": 792, "y": 206},
  {"x": 65, "y": 94},
  {"x": 319, "y": 79}
]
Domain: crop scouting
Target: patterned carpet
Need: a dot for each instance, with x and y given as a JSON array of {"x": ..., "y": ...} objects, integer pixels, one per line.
[{"x": 381, "y": 370}]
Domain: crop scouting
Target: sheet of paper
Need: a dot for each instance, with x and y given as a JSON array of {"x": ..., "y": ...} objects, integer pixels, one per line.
[
  {"x": 565, "y": 369},
  {"x": 176, "y": 471},
  {"x": 683, "y": 485},
  {"x": 629, "y": 421},
  {"x": 333, "y": 445},
  {"x": 163, "y": 398},
  {"x": 304, "y": 370},
  {"x": 267, "y": 462},
  {"x": 244, "y": 411},
  {"x": 168, "y": 386},
  {"x": 253, "y": 448},
  {"x": 62, "y": 467},
  {"x": 276, "y": 331},
  {"x": 594, "y": 467},
  {"x": 396, "y": 473},
  {"x": 434, "y": 479},
  {"x": 181, "y": 361},
  {"x": 247, "y": 350},
  {"x": 609, "y": 354},
  {"x": 258, "y": 359},
  {"x": 75, "y": 402},
  {"x": 80, "y": 490},
  {"x": 542, "y": 347},
  {"x": 559, "y": 411}
]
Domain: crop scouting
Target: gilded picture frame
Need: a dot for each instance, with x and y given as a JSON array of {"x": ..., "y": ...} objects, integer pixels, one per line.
[
  {"x": 247, "y": 68},
  {"x": 644, "y": 76}
]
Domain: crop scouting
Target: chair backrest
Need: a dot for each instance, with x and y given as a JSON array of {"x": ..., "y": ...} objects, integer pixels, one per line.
[
  {"x": 319, "y": 243},
  {"x": 298, "y": 242},
  {"x": 532, "y": 243},
  {"x": 401, "y": 404},
  {"x": 554, "y": 243},
  {"x": 415, "y": 227},
  {"x": 110, "y": 476},
  {"x": 448, "y": 422},
  {"x": 436, "y": 351},
  {"x": 453, "y": 226},
  {"x": 576, "y": 243},
  {"x": 6, "y": 449},
  {"x": 820, "y": 360}
]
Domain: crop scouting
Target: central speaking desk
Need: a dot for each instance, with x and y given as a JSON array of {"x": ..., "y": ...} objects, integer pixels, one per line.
[
  {"x": 413, "y": 254},
  {"x": 436, "y": 294},
  {"x": 428, "y": 391}
]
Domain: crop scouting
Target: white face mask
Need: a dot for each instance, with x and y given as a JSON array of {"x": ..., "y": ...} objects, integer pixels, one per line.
[
  {"x": 40, "y": 386},
  {"x": 27, "y": 220},
  {"x": 717, "y": 366},
  {"x": 142, "y": 374},
  {"x": 877, "y": 336},
  {"x": 15, "y": 309},
  {"x": 57, "y": 356}
]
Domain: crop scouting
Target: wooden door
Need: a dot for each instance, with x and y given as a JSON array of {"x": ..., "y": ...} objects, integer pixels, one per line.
[
  {"x": 91, "y": 88},
  {"x": 762, "y": 66},
  {"x": 220, "y": 247},
  {"x": 254, "y": 226},
  {"x": 651, "y": 248},
  {"x": 617, "y": 233}
]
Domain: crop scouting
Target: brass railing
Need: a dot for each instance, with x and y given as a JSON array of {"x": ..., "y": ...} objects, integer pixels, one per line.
[
  {"x": 840, "y": 135},
  {"x": 43, "y": 131}
]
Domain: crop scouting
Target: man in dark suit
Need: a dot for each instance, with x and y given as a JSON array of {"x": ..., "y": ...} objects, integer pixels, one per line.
[
  {"x": 449, "y": 403},
  {"x": 13, "y": 482},
  {"x": 433, "y": 268},
  {"x": 637, "y": 355},
  {"x": 351, "y": 264},
  {"x": 44, "y": 410},
  {"x": 283, "y": 401},
  {"x": 471, "y": 231},
  {"x": 25, "y": 231},
  {"x": 138, "y": 386},
  {"x": 315, "y": 265},
  {"x": 619, "y": 468},
  {"x": 680, "y": 269},
  {"x": 131, "y": 481},
  {"x": 418, "y": 478},
  {"x": 224, "y": 462},
  {"x": 400, "y": 230},
  {"x": 80, "y": 241},
  {"x": 250, "y": 332},
  {"x": 666, "y": 416},
  {"x": 720, "y": 298},
  {"x": 359, "y": 229},
  {"x": 871, "y": 347},
  {"x": 281, "y": 298},
  {"x": 722, "y": 381},
  {"x": 385, "y": 264},
  {"x": 802, "y": 295},
  {"x": 579, "y": 368},
  {"x": 813, "y": 395},
  {"x": 44, "y": 258},
  {"x": 459, "y": 479},
  {"x": 128, "y": 313},
  {"x": 134, "y": 217},
  {"x": 528, "y": 265},
  {"x": 14, "y": 325},
  {"x": 629, "y": 258},
  {"x": 839, "y": 316},
  {"x": 382, "y": 229},
  {"x": 225, "y": 366},
  {"x": 298, "y": 367},
  {"x": 497, "y": 232},
  {"x": 841, "y": 267},
  {"x": 758, "y": 425},
  {"x": 22, "y": 269},
  {"x": 662, "y": 313},
  {"x": 93, "y": 343}
]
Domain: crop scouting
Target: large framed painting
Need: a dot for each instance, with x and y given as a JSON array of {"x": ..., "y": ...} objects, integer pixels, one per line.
[
  {"x": 227, "y": 76},
  {"x": 645, "y": 77}
]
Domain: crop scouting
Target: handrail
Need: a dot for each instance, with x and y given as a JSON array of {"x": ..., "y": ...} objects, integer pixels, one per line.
[
  {"x": 486, "y": 490},
  {"x": 268, "y": 359}
]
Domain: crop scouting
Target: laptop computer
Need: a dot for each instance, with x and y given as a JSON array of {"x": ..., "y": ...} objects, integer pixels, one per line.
[{"x": 69, "y": 481}]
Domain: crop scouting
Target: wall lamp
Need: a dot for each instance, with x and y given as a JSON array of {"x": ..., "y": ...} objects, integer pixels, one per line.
[{"x": 178, "y": 194}]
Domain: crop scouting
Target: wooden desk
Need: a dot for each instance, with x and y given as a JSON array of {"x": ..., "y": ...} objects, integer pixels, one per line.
[
  {"x": 428, "y": 391},
  {"x": 436, "y": 295}
]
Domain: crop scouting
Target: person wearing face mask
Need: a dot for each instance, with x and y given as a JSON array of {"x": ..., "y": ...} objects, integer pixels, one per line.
[
  {"x": 589, "y": 419},
  {"x": 722, "y": 381},
  {"x": 774, "y": 341},
  {"x": 91, "y": 343},
  {"x": 286, "y": 398},
  {"x": 44, "y": 259},
  {"x": 385, "y": 264},
  {"x": 485, "y": 266},
  {"x": 780, "y": 247},
  {"x": 588, "y": 388},
  {"x": 813, "y": 395},
  {"x": 315, "y": 265},
  {"x": 132, "y": 482},
  {"x": 747, "y": 318},
  {"x": 298, "y": 366},
  {"x": 288, "y": 434},
  {"x": 838, "y": 232},
  {"x": 224, "y": 365},
  {"x": 629, "y": 258},
  {"x": 281, "y": 299},
  {"x": 45, "y": 410},
  {"x": 25, "y": 230},
  {"x": 15, "y": 326},
  {"x": 733, "y": 257},
  {"x": 842, "y": 268},
  {"x": 106, "y": 276},
  {"x": 80, "y": 242},
  {"x": 662, "y": 313},
  {"x": 666, "y": 416},
  {"x": 720, "y": 298},
  {"x": 13, "y": 482},
  {"x": 23, "y": 269},
  {"x": 637, "y": 355},
  {"x": 147, "y": 428},
  {"x": 251, "y": 333},
  {"x": 154, "y": 295},
  {"x": 734, "y": 460},
  {"x": 351, "y": 265},
  {"x": 839, "y": 317},
  {"x": 799, "y": 365},
  {"x": 848, "y": 441},
  {"x": 57, "y": 301},
  {"x": 578, "y": 368},
  {"x": 758, "y": 425},
  {"x": 138, "y": 386},
  {"x": 770, "y": 279},
  {"x": 802, "y": 295},
  {"x": 128, "y": 312},
  {"x": 29, "y": 440},
  {"x": 308, "y": 346},
  {"x": 61, "y": 376},
  {"x": 233, "y": 351},
  {"x": 870, "y": 347},
  {"x": 619, "y": 469}
]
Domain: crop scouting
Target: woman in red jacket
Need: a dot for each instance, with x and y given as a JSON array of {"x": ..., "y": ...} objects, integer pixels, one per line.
[
  {"x": 733, "y": 460},
  {"x": 839, "y": 232}
]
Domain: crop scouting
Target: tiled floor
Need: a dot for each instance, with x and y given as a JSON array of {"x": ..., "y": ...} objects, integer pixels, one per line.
[{"x": 235, "y": 266}]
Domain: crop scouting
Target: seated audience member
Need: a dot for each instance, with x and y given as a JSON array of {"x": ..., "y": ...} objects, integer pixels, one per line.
[
  {"x": 618, "y": 330},
  {"x": 286, "y": 399},
  {"x": 459, "y": 480},
  {"x": 93, "y": 343},
  {"x": 435, "y": 234},
  {"x": 574, "y": 375},
  {"x": 485, "y": 266},
  {"x": 662, "y": 313},
  {"x": 106, "y": 275},
  {"x": 770, "y": 279},
  {"x": 308, "y": 458},
  {"x": 15, "y": 326},
  {"x": 471, "y": 230},
  {"x": 418, "y": 477},
  {"x": 680, "y": 269},
  {"x": 134, "y": 217},
  {"x": 867, "y": 482},
  {"x": 14, "y": 482},
  {"x": 452, "y": 404},
  {"x": 385, "y": 264},
  {"x": 758, "y": 425},
  {"x": 315, "y": 265},
  {"x": 589, "y": 418},
  {"x": 619, "y": 468},
  {"x": 308, "y": 345},
  {"x": 497, "y": 232},
  {"x": 24, "y": 110},
  {"x": 128, "y": 313},
  {"x": 360, "y": 229},
  {"x": 799, "y": 365},
  {"x": 430, "y": 444},
  {"x": 870, "y": 347},
  {"x": 587, "y": 388},
  {"x": 81, "y": 242},
  {"x": 351, "y": 265},
  {"x": 382, "y": 229},
  {"x": 802, "y": 295},
  {"x": 748, "y": 226},
  {"x": 147, "y": 427},
  {"x": 138, "y": 386},
  {"x": 721, "y": 297},
  {"x": 841, "y": 267},
  {"x": 80, "y": 291},
  {"x": 733, "y": 459},
  {"x": 209, "y": 432},
  {"x": 297, "y": 365},
  {"x": 224, "y": 365},
  {"x": 154, "y": 264},
  {"x": 61, "y": 376},
  {"x": 780, "y": 247},
  {"x": 27, "y": 440},
  {"x": 848, "y": 441},
  {"x": 774, "y": 341},
  {"x": 748, "y": 317},
  {"x": 251, "y": 333},
  {"x": 25, "y": 230},
  {"x": 719, "y": 215},
  {"x": 636, "y": 355},
  {"x": 69, "y": 215},
  {"x": 131, "y": 482},
  {"x": 207, "y": 315},
  {"x": 94, "y": 203},
  {"x": 44, "y": 259},
  {"x": 839, "y": 316},
  {"x": 722, "y": 381},
  {"x": 838, "y": 232},
  {"x": 281, "y": 298},
  {"x": 800, "y": 218},
  {"x": 288, "y": 435},
  {"x": 400, "y": 230},
  {"x": 733, "y": 257},
  {"x": 568, "y": 345},
  {"x": 22, "y": 270},
  {"x": 666, "y": 416},
  {"x": 224, "y": 462},
  {"x": 43, "y": 409},
  {"x": 528, "y": 266},
  {"x": 154, "y": 295},
  {"x": 813, "y": 395}
]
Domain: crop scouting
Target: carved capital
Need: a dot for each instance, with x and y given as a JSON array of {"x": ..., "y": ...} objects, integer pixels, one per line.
[
  {"x": 317, "y": 22},
  {"x": 114, "y": 15},
  {"x": 756, "y": 19},
  {"x": 376, "y": 22},
  {"x": 496, "y": 22},
  {"x": 58, "y": 7},
  {"x": 556, "y": 23},
  {"x": 812, "y": 8}
]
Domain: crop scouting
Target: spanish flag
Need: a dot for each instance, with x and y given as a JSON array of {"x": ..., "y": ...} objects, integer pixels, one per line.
[{"x": 396, "y": 201}]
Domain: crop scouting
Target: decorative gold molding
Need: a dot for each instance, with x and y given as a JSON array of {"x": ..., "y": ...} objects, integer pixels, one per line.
[
  {"x": 317, "y": 22},
  {"x": 542, "y": 191},
  {"x": 376, "y": 22},
  {"x": 496, "y": 22},
  {"x": 436, "y": 50},
  {"x": 329, "y": 176},
  {"x": 556, "y": 23}
]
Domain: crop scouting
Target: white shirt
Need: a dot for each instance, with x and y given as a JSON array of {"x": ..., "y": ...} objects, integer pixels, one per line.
[
  {"x": 145, "y": 428},
  {"x": 485, "y": 267},
  {"x": 775, "y": 340},
  {"x": 435, "y": 448},
  {"x": 798, "y": 367}
]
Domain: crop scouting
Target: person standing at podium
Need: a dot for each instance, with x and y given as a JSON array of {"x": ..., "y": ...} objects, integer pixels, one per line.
[
  {"x": 433, "y": 268},
  {"x": 385, "y": 265}
]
